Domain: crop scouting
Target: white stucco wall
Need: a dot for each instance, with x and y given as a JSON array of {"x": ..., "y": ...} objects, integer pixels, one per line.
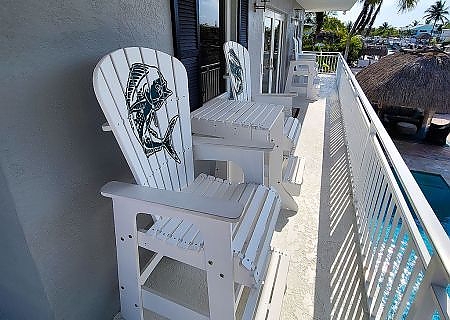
[{"x": 58, "y": 252}]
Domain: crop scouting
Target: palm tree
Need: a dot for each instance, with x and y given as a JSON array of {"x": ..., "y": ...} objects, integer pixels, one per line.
[
  {"x": 384, "y": 27},
  {"x": 437, "y": 12},
  {"x": 415, "y": 23},
  {"x": 368, "y": 15},
  {"x": 320, "y": 18},
  {"x": 374, "y": 16}
]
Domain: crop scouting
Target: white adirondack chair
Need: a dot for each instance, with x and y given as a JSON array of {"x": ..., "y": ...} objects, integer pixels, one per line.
[
  {"x": 222, "y": 228},
  {"x": 238, "y": 67},
  {"x": 302, "y": 73}
]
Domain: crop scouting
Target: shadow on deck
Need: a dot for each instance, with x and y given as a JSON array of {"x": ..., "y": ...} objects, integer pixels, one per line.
[{"x": 325, "y": 278}]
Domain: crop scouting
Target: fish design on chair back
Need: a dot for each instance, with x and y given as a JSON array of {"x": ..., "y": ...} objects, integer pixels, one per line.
[
  {"x": 236, "y": 73},
  {"x": 145, "y": 94}
]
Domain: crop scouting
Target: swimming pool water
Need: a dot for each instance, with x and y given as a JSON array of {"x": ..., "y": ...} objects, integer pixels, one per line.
[{"x": 437, "y": 192}]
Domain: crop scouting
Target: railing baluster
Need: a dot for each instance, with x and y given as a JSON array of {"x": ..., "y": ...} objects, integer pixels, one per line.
[
  {"x": 396, "y": 281},
  {"x": 383, "y": 287},
  {"x": 375, "y": 221},
  {"x": 364, "y": 186},
  {"x": 426, "y": 297},
  {"x": 373, "y": 180},
  {"x": 370, "y": 212},
  {"x": 417, "y": 268},
  {"x": 210, "y": 81},
  {"x": 373, "y": 255},
  {"x": 384, "y": 193},
  {"x": 383, "y": 252}
]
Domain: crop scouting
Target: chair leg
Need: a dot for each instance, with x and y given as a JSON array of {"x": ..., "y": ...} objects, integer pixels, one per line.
[
  {"x": 128, "y": 263},
  {"x": 219, "y": 269}
]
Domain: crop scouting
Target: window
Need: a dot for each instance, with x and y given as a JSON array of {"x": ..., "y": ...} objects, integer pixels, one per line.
[{"x": 200, "y": 27}]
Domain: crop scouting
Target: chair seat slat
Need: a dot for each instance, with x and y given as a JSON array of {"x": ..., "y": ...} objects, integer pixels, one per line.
[
  {"x": 248, "y": 220},
  {"x": 157, "y": 226},
  {"x": 204, "y": 187},
  {"x": 264, "y": 112},
  {"x": 243, "y": 112},
  {"x": 227, "y": 108},
  {"x": 178, "y": 234},
  {"x": 262, "y": 226},
  {"x": 288, "y": 125},
  {"x": 196, "y": 183},
  {"x": 197, "y": 243},
  {"x": 295, "y": 130},
  {"x": 232, "y": 112},
  {"x": 169, "y": 228},
  {"x": 212, "y": 189},
  {"x": 222, "y": 190},
  {"x": 249, "y": 116},
  {"x": 188, "y": 238},
  {"x": 213, "y": 114},
  {"x": 237, "y": 192},
  {"x": 246, "y": 200},
  {"x": 212, "y": 109},
  {"x": 268, "y": 121}
]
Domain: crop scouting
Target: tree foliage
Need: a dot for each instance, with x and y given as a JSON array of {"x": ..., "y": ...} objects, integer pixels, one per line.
[
  {"x": 333, "y": 37},
  {"x": 385, "y": 31},
  {"x": 437, "y": 12}
]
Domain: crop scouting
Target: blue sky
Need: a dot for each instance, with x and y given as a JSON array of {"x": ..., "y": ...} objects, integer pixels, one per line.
[
  {"x": 389, "y": 13},
  {"x": 209, "y": 10}
]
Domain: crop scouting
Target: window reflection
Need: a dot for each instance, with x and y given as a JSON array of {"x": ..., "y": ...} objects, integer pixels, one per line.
[{"x": 211, "y": 42}]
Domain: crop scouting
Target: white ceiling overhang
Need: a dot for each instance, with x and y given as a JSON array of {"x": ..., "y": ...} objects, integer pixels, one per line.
[{"x": 326, "y": 5}]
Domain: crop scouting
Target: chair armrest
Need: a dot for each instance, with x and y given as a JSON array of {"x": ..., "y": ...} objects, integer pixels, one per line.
[
  {"x": 182, "y": 202},
  {"x": 228, "y": 143},
  {"x": 275, "y": 98}
]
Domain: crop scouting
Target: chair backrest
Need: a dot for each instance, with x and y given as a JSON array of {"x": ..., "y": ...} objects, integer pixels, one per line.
[
  {"x": 296, "y": 47},
  {"x": 238, "y": 67},
  {"x": 144, "y": 96}
]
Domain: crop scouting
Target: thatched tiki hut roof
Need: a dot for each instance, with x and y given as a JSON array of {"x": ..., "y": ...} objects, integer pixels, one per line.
[{"x": 419, "y": 79}]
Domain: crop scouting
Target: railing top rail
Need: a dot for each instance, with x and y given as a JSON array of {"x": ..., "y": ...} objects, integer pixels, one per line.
[
  {"x": 428, "y": 219},
  {"x": 211, "y": 65},
  {"x": 323, "y": 52}
]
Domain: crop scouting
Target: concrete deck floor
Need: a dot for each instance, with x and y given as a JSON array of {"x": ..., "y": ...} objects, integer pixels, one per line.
[
  {"x": 425, "y": 157},
  {"x": 324, "y": 279}
]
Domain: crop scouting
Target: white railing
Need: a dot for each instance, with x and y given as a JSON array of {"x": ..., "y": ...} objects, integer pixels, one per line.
[
  {"x": 210, "y": 78},
  {"x": 327, "y": 61},
  {"x": 403, "y": 279}
]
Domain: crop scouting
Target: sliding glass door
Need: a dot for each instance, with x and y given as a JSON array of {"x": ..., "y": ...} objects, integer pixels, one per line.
[{"x": 273, "y": 30}]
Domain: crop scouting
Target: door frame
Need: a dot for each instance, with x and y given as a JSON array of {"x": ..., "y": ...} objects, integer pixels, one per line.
[{"x": 272, "y": 14}]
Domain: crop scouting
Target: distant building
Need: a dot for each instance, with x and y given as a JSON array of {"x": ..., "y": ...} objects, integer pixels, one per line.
[
  {"x": 421, "y": 29},
  {"x": 445, "y": 35}
]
